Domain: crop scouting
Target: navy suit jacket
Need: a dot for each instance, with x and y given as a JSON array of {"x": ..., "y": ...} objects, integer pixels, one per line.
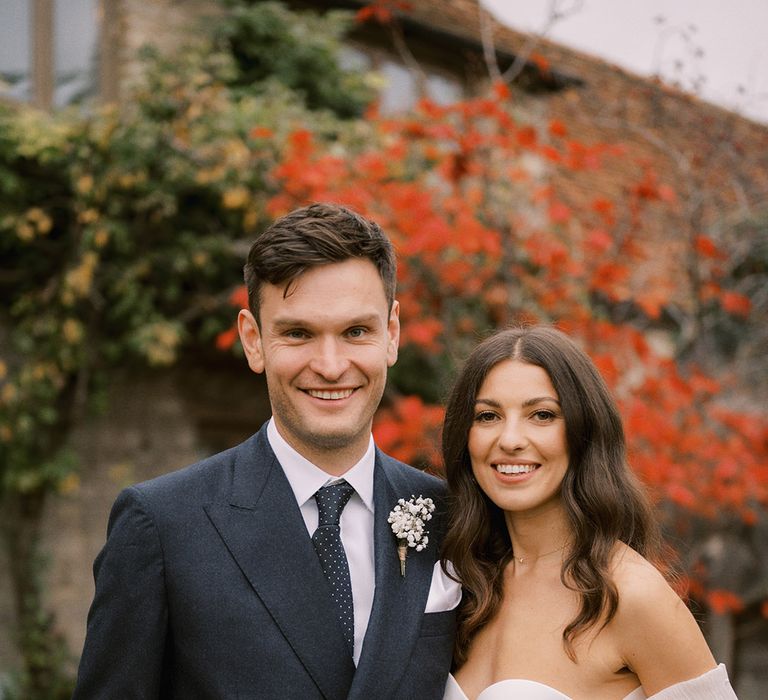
[{"x": 209, "y": 587}]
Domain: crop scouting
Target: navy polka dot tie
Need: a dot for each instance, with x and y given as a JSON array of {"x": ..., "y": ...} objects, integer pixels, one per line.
[{"x": 327, "y": 540}]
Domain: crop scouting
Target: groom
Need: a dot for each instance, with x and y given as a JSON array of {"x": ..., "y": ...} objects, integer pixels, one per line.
[{"x": 270, "y": 570}]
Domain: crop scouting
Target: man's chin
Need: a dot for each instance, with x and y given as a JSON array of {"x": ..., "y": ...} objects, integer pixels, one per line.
[{"x": 333, "y": 440}]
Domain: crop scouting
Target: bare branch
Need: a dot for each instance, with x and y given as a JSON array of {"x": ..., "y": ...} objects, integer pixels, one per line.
[
  {"x": 489, "y": 48},
  {"x": 558, "y": 11},
  {"x": 406, "y": 56}
]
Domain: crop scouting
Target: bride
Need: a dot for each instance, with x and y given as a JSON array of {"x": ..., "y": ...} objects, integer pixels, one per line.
[{"x": 553, "y": 538}]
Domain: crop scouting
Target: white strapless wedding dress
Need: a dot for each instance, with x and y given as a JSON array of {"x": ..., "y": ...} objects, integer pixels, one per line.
[{"x": 713, "y": 685}]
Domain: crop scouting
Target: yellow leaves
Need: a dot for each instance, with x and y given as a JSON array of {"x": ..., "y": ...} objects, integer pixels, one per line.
[
  {"x": 159, "y": 342},
  {"x": 6, "y": 434},
  {"x": 3, "y": 369},
  {"x": 79, "y": 280},
  {"x": 236, "y": 152},
  {"x": 34, "y": 222},
  {"x": 69, "y": 485},
  {"x": 208, "y": 175},
  {"x": 235, "y": 197},
  {"x": 84, "y": 184},
  {"x": 226, "y": 158},
  {"x": 251, "y": 219},
  {"x": 101, "y": 238},
  {"x": 42, "y": 222},
  {"x": 8, "y": 394},
  {"x": 72, "y": 330},
  {"x": 88, "y": 216},
  {"x": 200, "y": 258},
  {"x": 40, "y": 371},
  {"x": 39, "y": 133},
  {"x": 104, "y": 128},
  {"x": 24, "y": 231},
  {"x": 129, "y": 180}
]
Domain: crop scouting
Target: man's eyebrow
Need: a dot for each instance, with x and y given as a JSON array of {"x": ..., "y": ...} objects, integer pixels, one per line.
[
  {"x": 365, "y": 320},
  {"x": 287, "y": 322},
  {"x": 290, "y": 322}
]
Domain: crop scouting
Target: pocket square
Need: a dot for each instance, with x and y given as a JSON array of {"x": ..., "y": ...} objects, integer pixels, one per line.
[{"x": 444, "y": 592}]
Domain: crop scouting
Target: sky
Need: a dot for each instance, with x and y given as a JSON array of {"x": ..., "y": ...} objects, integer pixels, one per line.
[{"x": 723, "y": 43}]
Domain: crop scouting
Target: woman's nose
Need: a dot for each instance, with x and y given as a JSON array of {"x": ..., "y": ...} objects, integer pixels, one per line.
[{"x": 512, "y": 438}]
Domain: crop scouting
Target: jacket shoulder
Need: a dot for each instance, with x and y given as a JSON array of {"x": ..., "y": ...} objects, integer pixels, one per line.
[{"x": 413, "y": 477}]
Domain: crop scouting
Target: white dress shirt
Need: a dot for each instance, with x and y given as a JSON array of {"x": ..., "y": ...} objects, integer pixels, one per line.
[{"x": 356, "y": 519}]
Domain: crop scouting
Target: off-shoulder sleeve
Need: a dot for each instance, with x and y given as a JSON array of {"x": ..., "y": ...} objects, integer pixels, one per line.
[{"x": 713, "y": 685}]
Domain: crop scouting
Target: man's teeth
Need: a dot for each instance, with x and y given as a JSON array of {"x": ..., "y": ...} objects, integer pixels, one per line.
[
  {"x": 342, "y": 394},
  {"x": 515, "y": 468}
]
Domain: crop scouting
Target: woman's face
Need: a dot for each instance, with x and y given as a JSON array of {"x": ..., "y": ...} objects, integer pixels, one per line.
[{"x": 517, "y": 443}]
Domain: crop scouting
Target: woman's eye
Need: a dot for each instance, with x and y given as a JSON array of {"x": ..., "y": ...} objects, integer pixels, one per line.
[
  {"x": 485, "y": 417},
  {"x": 544, "y": 415}
]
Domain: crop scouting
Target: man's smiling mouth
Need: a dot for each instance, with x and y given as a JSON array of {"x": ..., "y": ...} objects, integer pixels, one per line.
[{"x": 331, "y": 395}]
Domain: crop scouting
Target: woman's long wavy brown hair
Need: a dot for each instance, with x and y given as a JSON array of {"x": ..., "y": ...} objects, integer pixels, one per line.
[{"x": 603, "y": 499}]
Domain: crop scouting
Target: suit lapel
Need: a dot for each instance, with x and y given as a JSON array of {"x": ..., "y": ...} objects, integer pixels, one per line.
[
  {"x": 399, "y": 601},
  {"x": 263, "y": 529}
]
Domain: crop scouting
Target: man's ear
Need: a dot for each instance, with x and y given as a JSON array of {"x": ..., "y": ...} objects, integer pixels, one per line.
[
  {"x": 393, "y": 331},
  {"x": 250, "y": 337}
]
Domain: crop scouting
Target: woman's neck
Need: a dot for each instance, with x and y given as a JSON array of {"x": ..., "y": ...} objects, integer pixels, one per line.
[{"x": 538, "y": 536}]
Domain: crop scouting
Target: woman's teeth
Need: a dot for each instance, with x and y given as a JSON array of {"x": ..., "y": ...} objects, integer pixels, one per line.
[{"x": 515, "y": 468}]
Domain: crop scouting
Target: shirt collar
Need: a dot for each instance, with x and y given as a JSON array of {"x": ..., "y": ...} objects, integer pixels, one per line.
[{"x": 305, "y": 478}]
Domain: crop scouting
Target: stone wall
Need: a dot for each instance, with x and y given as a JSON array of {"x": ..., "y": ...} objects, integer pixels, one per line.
[
  {"x": 164, "y": 24},
  {"x": 153, "y": 424}
]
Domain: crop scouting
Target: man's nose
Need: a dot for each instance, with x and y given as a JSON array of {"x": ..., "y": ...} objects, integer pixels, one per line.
[{"x": 330, "y": 360}]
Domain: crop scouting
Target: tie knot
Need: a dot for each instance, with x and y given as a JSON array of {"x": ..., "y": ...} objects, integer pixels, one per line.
[{"x": 331, "y": 500}]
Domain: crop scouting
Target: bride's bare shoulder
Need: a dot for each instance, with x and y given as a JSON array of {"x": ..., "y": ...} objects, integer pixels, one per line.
[
  {"x": 642, "y": 588},
  {"x": 655, "y": 632}
]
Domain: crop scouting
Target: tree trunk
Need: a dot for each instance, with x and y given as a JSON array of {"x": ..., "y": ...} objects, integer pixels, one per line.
[{"x": 43, "y": 651}]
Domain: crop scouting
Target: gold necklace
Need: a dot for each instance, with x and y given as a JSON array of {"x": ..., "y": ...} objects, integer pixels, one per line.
[{"x": 522, "y": 560}]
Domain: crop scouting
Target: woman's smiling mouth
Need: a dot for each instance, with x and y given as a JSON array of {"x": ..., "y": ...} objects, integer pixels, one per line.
[{"x": 515, "y": 468}]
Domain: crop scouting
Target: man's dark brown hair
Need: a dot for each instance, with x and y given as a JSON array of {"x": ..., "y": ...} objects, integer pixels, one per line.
[{"x": 316, "y": 235}]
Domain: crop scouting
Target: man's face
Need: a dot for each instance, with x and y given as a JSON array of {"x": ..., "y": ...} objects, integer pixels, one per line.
[{"x": 325, "y": 349}]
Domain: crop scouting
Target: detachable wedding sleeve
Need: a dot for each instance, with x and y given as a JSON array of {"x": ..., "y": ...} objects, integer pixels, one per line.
[{"x": 713, "y": 685}]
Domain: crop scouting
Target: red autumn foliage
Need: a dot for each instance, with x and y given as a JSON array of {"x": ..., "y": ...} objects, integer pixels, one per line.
[
  {"x": 706, "y": 247},
  {"x": 239, "y": 297},
  {"x": 409, "y": 431},
  {"x": 261, "y": 132},
  {"x": 557, "y": 128},
  {"x": 381, "y": 11},
  {"x": 483, "y": 242},
  {"x": 723, "y": 602},
  {"x": 735, "y": 303},
  {"x": 541, "y": 62},
  {"x": 227, "y": 338}
]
